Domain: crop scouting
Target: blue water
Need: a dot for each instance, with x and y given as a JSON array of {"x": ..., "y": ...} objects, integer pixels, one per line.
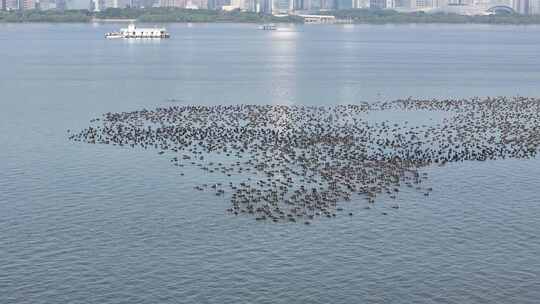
[{"x": 101, "y": 224}]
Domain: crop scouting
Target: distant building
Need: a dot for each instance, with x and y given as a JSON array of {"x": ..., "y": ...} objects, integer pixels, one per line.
[
  {"x": 457, "y": 2},
  {"x": 140, "y": 3},
  {"x": 440, "y": 3},
  {"x": 361, "y": 3},
  {"x": 196, "y": 4},
  {"x": 328, "y": 4},
  {"x": 172, "y": 3},
  {"x": 18, "y": 4},
  {"x": 12, "y": 5},
  {"x": 244, "y": 5},
  {"x": 421, "y": 4},
  {"x": 349, "y": 4},
  {"x": 189, "y": 4},
  {"x": 60, "y": 4},
  {"x": 218, "y": 4},
  {"x": 402, "y": 3},
  {"x": 306, "y": 5},
  {"x": 265, "y": 6},
  {"x": 27, "y": 4},
  {"x": 282, "y": 6},
  {"x": 344, "y": 4},
  {"x": 73, "y": 4},
  {"x": 377, "y": 4},
  {"x": 112, "y": 4},
  {"x": 96, "y": 5},
  {"x": 44, "y": 5},
  {"x": 491, "y": 3},
  {"x": 521, "y": 6},
  {"x": 534, "y": 7}
]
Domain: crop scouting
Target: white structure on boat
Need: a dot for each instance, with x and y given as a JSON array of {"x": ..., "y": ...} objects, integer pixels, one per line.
[
  {"x": 268, "y": 27},
  {"x": 133, "y": 32}
]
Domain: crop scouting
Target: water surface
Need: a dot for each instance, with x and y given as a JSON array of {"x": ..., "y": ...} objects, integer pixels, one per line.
[{"x": 100, "y": 224}]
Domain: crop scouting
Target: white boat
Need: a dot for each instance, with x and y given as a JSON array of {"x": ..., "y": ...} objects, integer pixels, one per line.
[
  {"x": 139, "y": 33},
  {"x": 268, "y": 27}
]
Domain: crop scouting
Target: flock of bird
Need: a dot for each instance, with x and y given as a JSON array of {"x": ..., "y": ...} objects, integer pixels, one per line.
[{"x": 298, "y": 163}]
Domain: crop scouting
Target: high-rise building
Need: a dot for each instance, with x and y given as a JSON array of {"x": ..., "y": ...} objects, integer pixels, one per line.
[
  {"x": 421, "y": 4},
  {"x": 306, "y": 5},
  {"x": 28, "y": 4},
  {"x": 111, "y": 3},
  {"x": 97, "y": 5},
  {"x": 12, "y": 4},
  {"x": 439, "y": 3},
  {"x": 265, "y": 6},
  {"x": 196, "y": 4},
  {"x": 61, "y": 4},
  {"x": 344, "y": 4},
  {"x": 491, "y": 3},
  {"x": 217, "y": 4},
  {"x": 244, "y": 5},
  {"x": 361, "y": 3},
  {"x": 377, "y": 4},
  {"x": 172, "y": 3},
  {"x": 328, "y": 4},
  {"x": 402, "y": 3},
  {"x": 19, "y": 4},
  {"x": 534, "y": 7},
  {"x": 125, "y": 3},
  {"x": 348, "y": 4},
  {"x": 282, "y": 6},
  {"x": 521, "y": 6}
]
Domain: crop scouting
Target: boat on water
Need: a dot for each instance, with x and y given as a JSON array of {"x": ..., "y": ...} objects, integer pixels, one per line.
[
  {"x": 139, "y": 33},
  {"x": 268, "y": 27}
]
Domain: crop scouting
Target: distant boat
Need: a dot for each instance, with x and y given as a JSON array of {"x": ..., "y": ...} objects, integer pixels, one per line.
[
  {"x": 174, "y": 100},
  {"x": 139, "y": 33},
  {"x": 268, "y": 27}
]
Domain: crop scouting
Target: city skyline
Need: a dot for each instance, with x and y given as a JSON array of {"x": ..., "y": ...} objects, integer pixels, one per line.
[{"x": 283, "y": 7}]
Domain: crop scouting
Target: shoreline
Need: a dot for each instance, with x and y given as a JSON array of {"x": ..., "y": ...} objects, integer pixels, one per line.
[
  {"x": 110, "y": 21},
  {"x": 167, "y": 15}
]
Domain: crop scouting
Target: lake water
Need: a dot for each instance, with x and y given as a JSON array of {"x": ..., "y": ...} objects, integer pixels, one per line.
[{"x": 101, "y": 224}]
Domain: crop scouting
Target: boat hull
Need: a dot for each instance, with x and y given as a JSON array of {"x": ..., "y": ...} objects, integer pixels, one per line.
[{"x": 120, "y": 36}]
